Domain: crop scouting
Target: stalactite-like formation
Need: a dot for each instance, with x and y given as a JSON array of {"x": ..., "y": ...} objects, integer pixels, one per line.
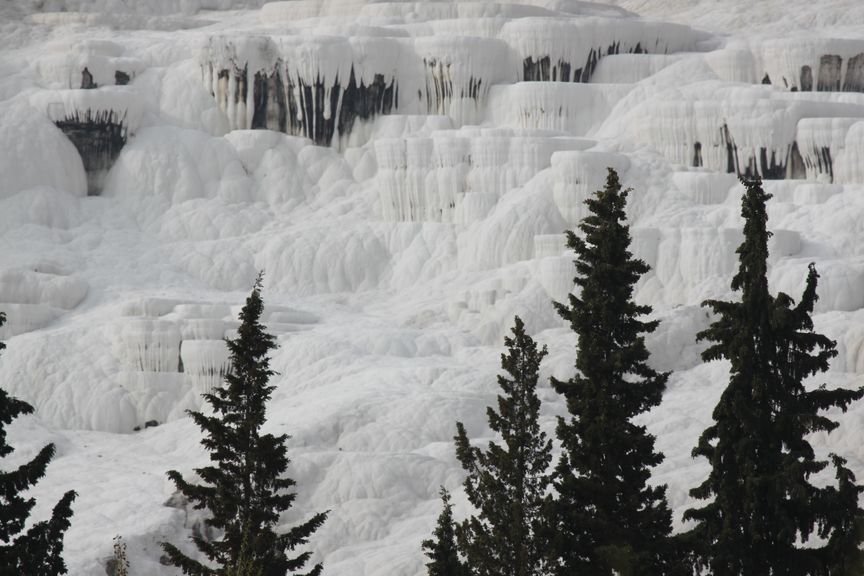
[
  {"x": 767, "y": 164},
  {"x": 289, "y": 102},
  {"x": 99, "y": 136},
  {"x": 543, "y": 69}
]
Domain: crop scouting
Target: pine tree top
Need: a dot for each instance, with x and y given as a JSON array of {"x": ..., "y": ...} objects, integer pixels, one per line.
[
  {"x": 608, "y": 322},
  {"x": 763, "y": 501},
  {"x": 752, "y": 275},
  {"x": 609, "y": 519},
  {"x": 508, "y": 481},
  {"x": 441, "y": 549}
]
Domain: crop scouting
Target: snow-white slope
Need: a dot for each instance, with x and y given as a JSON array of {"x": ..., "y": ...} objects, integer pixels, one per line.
[{"x": 412, "y": 171}]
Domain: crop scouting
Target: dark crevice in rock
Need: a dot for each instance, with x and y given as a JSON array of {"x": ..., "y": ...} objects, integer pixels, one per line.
[
  {"x": 771, "y": 168},
  {"x": 819, "y": 160},
  {"x": 829, "y": 73},
  {"x": 697, "y": 155},
  {"x": 731, "y": 150},
  {"x": 854, "y": 74},
  {"x": 588, "y": 69},
  {"x": 564, "y": 72},
  {"x": 366, "y": 102},
  {"x": 268, "y": 97},
  {"x": 535, "y": 71},
  {"x": 240, "y": 84},
  {"x": 796, "y": 168},
  {"x": 99, "y": 138},
  {"x": 87, "y": 82},
  {"x": 806, "y": 79},
  {"x": 221, "y": 93}
]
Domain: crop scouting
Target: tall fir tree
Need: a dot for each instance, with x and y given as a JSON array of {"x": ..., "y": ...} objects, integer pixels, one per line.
[
  {"x": 762, "y": 500},
  {"x": 508, "y": 482},
  {"x": 245, "y": 489},
  {"x": 610, "y": 520},
  {"x": 441, "y": 550},
  {"x": 39, "y": 550}
]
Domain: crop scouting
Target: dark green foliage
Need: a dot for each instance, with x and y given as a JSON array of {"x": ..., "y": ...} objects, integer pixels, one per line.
[
  {"x": 244, "y": 490},
  {"x": 844, "y": 527},
  {"x": 441, "y": 550},
  {"x": 609, "y": 519},
  {"x": 760, "y": 458},
  {"x": 38, "y": 552},
  {"x": 245, "y": 563},
  {"x": 508, "y": 483}
]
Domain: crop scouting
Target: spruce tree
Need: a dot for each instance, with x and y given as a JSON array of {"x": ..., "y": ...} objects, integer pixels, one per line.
[
  {"x": 842, "y": 524},
  {"x": 244, "y": 489},
  {"x": 609, "y": 520},
  {"x": 38, "y": 551},
  {"x": 507, "y": 483},
  {"x": 762, "y": 500},
  {"x": 442, "y": 551}
]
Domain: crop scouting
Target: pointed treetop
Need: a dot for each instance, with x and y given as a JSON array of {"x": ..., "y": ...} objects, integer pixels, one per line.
[
  {"x": 753, "y": 252},
  {"x": 245, "y": 487},
  {"x": 441, "y": 549}
]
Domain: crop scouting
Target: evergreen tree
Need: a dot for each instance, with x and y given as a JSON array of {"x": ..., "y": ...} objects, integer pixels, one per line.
[
  {"x": 842, "y": 556},
  {"x": 244, "y": 490},
  {"x": 609, "y": 519},
  {"x": 761, "y": 461},
  {"x": 508, "y": 483},
  {"x": 441, "y": 551},
  {"x": 37, "y": 552}
]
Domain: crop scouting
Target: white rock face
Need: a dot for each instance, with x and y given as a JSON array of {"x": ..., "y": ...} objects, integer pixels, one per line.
[{"x": 404, "y": 172}]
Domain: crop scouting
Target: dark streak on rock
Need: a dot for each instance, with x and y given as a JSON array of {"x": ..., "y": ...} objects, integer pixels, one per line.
[
  {"x": 366, "y": 102},
  {"x": 829, "y": 73},
  {"x": 766, "y": 163},
  {"x": 819, "y": 160},
  {"x": 796, "y": 169},
  {"x": 542, "y": 69},
  {"x": 302, "y": 107},
  {"x": 854, "y": 74},
  {"x": 87, "y": 82},
  {"x": 806, "y": 79}
]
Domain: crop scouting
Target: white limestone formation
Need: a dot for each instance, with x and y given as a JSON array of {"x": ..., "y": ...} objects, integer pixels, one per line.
[{"x": 404, "y": 173}]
